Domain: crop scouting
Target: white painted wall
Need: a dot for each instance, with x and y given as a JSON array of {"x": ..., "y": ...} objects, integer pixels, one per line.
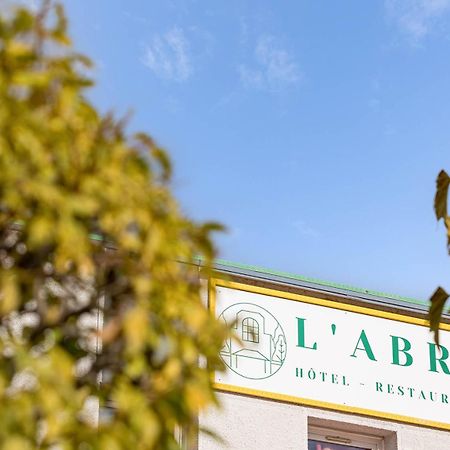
[{"x": 246, "y": 423}]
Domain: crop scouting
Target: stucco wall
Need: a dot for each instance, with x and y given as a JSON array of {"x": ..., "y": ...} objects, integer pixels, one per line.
[{"x": 257, "y": 424}]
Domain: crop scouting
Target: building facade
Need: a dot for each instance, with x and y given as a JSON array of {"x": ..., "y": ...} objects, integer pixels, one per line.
[{"x": 319, "y": 366}]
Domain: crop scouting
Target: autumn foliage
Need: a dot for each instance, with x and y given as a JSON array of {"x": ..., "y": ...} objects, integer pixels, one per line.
[
  {"x": 95, "y": 306},
  {"x": 440, "y": 296}
]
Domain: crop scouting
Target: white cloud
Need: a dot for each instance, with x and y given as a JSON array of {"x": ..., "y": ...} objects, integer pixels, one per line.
[
  {"x": 173, "y": 105},
  {"x": 168, "y": 56},
  {"x": 304, "y": 229},
  {"x": 275, "y": 67},
  {"x": 244, "y": 30},
  {"x": 416, "y": 18},
  {"x": 374, "y": 103}
]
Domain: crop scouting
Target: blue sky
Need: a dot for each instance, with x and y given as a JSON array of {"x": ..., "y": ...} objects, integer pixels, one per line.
[{"x": 313, "y": 129}]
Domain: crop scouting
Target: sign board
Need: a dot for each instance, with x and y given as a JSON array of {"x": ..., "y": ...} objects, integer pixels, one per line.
[{"x": 330, "y": 355}]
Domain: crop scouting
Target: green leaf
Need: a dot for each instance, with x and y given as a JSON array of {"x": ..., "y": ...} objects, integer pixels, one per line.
[
  {"x": 158, "y": 154},
  {"x": 163, "y": 159},
  {"x": 23, "y": 20},
  {"x": 59, "y": 33},
  {"x": 438, "y": 300},
  {"x": 209, "y": 227},
  {"x": 440, "y": 199}
]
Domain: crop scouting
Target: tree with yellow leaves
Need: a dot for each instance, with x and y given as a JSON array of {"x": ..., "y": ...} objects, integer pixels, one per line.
[{"x": 96, "y": 310}]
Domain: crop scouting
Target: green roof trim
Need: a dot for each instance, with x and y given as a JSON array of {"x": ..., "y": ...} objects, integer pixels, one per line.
[
  {"x": 287, "y": 275},
  {"x": 233, "y": 265}
]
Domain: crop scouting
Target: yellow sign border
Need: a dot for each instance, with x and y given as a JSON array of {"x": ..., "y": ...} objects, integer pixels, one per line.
[{"x": 214, "y": 282}]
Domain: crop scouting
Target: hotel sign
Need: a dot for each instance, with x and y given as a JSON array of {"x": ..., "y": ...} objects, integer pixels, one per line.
[{"x": 326, "y": 354}]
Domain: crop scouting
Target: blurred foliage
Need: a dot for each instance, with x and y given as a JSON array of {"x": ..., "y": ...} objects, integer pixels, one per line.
[
  {"x": 90, "y": 236},
  {"x": 440, "y": 296}
]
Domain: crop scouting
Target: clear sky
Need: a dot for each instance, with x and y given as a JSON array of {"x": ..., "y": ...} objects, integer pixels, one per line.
[{"x": 313, "y": 129}]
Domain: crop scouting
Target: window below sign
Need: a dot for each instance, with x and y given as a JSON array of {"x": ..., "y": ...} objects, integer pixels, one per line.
[
  {"x": 331, "y": 439},
  {"x": 320, "y": 445}
]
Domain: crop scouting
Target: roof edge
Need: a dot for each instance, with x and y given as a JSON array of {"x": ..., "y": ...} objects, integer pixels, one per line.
[{"x": 220, "y": 264}]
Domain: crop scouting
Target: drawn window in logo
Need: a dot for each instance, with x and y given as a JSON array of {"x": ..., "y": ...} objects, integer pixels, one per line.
[
  {"x": 261, "y": 351},
  {"x": 250, "y": 330}
]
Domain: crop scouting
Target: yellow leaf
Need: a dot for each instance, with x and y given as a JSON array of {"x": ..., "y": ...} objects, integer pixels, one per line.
[
  {"x": 9, "y": 293},
  {"x": 18, "y": 49},
  {"x": 135, "y": 328},
  {"x": 41, "y": 230},
  {"x": 197, "y": 396},
  {"x": 17, "y": 443}
]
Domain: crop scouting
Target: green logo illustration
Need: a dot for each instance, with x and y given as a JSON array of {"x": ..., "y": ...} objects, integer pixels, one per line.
[{"x": 262, "y": 349}]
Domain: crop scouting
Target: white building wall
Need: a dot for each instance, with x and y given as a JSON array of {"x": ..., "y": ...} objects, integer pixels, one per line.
[{"x": 248, "y": 423}]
